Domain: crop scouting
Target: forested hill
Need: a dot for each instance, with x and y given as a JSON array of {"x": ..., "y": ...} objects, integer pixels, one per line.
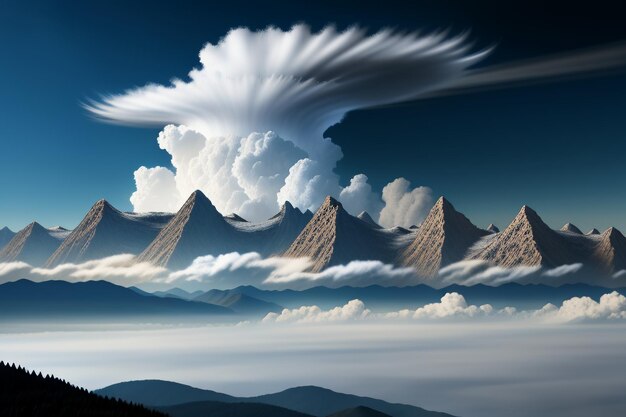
[{"x": 26, "y": 394}]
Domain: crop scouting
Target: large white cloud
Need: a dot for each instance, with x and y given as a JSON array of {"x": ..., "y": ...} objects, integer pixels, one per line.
[
  {"x": 358, "y": 196},
  {"x": 156, "y": 190},
  {"x": 295, "y": 83},
  {"x": 610, "y": 306},
  {"x": 404, "y": 206}
]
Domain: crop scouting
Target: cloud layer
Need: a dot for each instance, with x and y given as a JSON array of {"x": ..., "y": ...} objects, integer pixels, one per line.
[
  {"x": 233, "y": 269},
  {"x": 119, "y": 269},
  {"x": 247, "y": 126}
]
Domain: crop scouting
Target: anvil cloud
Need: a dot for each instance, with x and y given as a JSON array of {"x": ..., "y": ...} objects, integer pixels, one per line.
[{"x": 261, "y": 102}]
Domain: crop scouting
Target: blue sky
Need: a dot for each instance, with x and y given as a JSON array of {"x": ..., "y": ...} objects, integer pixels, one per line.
[{"x": 558, "y": 147}]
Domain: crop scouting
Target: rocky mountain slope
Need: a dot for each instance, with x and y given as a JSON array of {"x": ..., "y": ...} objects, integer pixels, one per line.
[
  {"x": 528, "y": 241},
  {"x": 443, "y": 238},
  {"x": 106, "y": 231},
  {"x": 333, "y": 237},
  {"x": 33, "y": 244}
]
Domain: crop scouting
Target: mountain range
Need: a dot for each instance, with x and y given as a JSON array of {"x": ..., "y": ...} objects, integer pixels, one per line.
[
  {"x": 307, "y": 400},
  {"x": 331, "y": 236},
  {"x": 51, "y": 300}
]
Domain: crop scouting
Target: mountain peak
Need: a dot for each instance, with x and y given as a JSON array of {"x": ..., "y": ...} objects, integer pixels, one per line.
[
  {"x": 333, "y": 236},
  {"x": 569, "y": 227},
  {"x": 610, "y": 252},
  {"x": 106, "y": 231},
  {"x": 196, "y": 229},
  {"x": 365, "y": 216},
  {"x": 593, "y": 231},
  {"x": 331, "y": 202},
  {"x": 527, "y": 241},
  {"x": 493, "y": 228},
  {"x": 443, "y": 238}
]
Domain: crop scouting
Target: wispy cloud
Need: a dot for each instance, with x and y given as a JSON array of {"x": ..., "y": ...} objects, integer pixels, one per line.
[{"x": 119, "y": 269}]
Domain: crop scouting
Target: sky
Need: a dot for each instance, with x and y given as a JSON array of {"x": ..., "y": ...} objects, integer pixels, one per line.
[{"x": 556, "y": 146}]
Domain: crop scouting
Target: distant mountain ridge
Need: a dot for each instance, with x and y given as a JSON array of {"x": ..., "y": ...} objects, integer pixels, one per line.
[
  {"x": 48, "y": 300},
  {"x": 308, "y": 400}
]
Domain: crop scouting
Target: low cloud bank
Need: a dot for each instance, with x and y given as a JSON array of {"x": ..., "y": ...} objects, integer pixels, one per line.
[{"x": 453, "y": 306}]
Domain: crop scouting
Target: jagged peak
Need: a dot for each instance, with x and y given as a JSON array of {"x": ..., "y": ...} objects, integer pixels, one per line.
[
  {"x": 331, "y": 202},
  {"x": 593, "y": 231},
  {"x": 612, "y": 233},
  {"x": 569, "y": 227},
  {"x": 493, "y": 228}
]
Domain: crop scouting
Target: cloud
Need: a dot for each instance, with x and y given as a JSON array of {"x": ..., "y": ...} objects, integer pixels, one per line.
[
  {"x": 451, "y": 305},
  {"x": 559, "y": 271},
  {"x": 233, "y": 269},
  {"x": 610, "y": 306},
  {"x": 273, "y": 84},
  {"x": 156, "y": 190},
  {"x": 354, "y": 273},
  {"x": 404, "y": 206},
  {"x": 307, "y": 184},
  {"x": 119, "y": 269},
  {"x": 358, "y": 197},
  {"x": 353, "y": 310},
  {"x": 473, "y": 272}
]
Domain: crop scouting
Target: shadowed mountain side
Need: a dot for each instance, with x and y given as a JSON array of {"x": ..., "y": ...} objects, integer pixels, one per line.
[
  {"x": 220, "y": 409},
  {"x": 312, "y": 400},
  {"x": 26, "y": 299},
  {"x": 443, "y": 238},
  {"x": 6, "y": 235},
  {"x": 198, "y": 229},
  {"x": 158, "y": 393},
  {"x": 334, "y": 237},
  {"x": 33, "y": 244},
  {"x": 106, "y": 231},
  {"x": 238, "y": 302},
  {"x": 27, "y": 394},
  {"x": 359, "y": 411}
]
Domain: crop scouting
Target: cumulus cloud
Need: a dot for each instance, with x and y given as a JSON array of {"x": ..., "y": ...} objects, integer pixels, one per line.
[
  {"x": 156, "y": 190},
  {"x": 609, "y": 307},
  {"x": 119, "y": 269},
  {"x": 232, "y": 269},
  {"x": 404, "y": 206},
  {"x": 358, "y": 196},
  {"x": 353, "y": 310},
  {"x": 296, "y": 83},
  {"x": 451, "y": 305}
]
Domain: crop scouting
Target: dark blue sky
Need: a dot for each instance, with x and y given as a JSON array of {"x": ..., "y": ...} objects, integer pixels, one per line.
[{"x": 559, "y": 147}]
